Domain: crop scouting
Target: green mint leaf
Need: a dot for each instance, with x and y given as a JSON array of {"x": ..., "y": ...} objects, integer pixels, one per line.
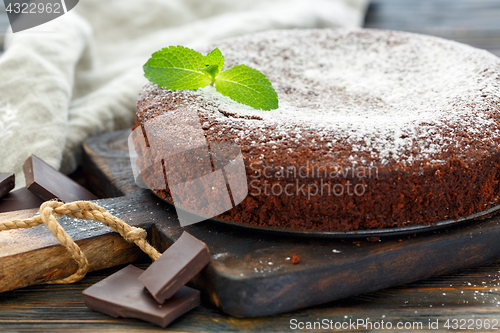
[
  {"x": 176, "y": 68},
  {"x": 247, "y": 86},
  {"x": 215, "y": 57},
  {"x": 211, "y": 70},
  {"x": 181, "y": 68}
]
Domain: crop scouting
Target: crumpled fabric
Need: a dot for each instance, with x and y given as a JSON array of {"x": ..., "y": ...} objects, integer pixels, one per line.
[{"x": 79, "y": 75}]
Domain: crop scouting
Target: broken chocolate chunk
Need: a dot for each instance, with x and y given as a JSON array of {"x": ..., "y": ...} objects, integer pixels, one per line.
[
  {"x": 48, "y": 183},
  {"x": 175, "y": 267},
  {"x": 122, "y": 295},
  {"x": 19, "y": 199},
  {"x": 7, "y": 183}
]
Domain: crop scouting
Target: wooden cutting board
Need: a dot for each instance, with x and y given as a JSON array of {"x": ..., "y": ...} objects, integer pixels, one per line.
[{"x": 249, "y": 274}]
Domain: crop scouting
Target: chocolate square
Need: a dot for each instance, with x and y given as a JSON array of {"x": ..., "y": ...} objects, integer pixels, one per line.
[
  {"x": 7, "y": 183},
  {"x": 175, "y": 267},
  {"x": 122, "y": 295},
  {"x": 19, "y": 199},
  {"x": 48, "y": 183}
]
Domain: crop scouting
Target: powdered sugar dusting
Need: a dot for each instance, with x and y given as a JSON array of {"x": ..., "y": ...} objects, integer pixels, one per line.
[{"x": 380, "y": 96}]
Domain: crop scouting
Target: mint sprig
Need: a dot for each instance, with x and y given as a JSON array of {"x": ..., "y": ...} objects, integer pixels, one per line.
[
  {"x": 247, "y": 86},
  {"x": 181, "y": 68}
]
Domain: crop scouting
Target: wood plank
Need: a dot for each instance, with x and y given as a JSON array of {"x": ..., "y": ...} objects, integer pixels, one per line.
[
  {"x": 51, "y": 308},
  {"x": 470, "y": 22},
  {"x": 107, "y": 165},
  {"x": 34, "y": 255}
]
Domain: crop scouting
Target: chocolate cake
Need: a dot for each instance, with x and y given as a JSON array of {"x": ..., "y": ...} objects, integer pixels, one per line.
[{"x": 374, "y": 128}]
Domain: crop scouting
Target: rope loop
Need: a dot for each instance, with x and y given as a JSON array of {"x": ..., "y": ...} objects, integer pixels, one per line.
[{"x": 85, "y": 210}]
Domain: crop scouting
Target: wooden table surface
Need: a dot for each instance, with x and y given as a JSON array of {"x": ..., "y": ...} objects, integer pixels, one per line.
[{"x": 470, "y": 295}]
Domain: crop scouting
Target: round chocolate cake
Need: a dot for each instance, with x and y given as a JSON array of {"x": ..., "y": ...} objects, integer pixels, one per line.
[{"x": 374, "y": 128}]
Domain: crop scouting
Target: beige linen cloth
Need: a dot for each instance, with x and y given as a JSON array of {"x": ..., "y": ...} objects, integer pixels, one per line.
[{"x": 79, "y": 75}]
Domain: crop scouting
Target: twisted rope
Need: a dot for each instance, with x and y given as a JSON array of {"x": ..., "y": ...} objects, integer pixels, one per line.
[{"x": 84, "y": 210}]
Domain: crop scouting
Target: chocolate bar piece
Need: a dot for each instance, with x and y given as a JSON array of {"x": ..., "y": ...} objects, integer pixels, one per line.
[
  {"x": 7, "y": 183},
  {"x": 175, "y": 267},
  {"x": 122, "y": 295},
  {"x": 19, "y": 199},
  {"x": 48, "y": 183}
]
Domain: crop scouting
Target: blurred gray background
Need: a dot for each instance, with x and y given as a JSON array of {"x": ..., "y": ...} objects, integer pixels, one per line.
[{"x": 474, "y": 22}]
